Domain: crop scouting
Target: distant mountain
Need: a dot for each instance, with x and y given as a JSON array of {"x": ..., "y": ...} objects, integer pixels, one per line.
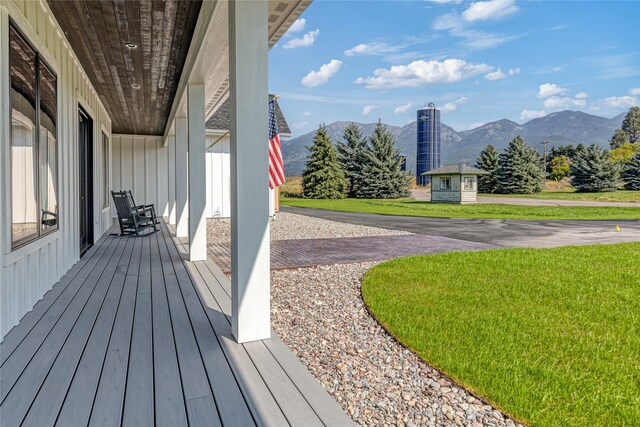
[{"x": 564, "y": 127}]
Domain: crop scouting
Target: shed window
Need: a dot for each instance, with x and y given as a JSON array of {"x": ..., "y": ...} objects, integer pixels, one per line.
[
  {"x": 445, "y": 183},
  {"x": 468, "y": 183},
  {"x": 33, "y": 142}
]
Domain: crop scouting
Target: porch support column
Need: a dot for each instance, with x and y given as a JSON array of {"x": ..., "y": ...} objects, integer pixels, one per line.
[
  {"x": 250, "y": 264},
  {"x": 182, "y": 186},
  {"x": 197, "y": 174},
  {"x": 171, "y": 146}
]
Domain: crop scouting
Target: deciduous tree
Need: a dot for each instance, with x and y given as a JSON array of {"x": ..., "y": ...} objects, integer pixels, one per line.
[{"x": 559, "y": 167}]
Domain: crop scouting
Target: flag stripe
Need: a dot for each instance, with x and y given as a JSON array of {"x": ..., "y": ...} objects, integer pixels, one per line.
[{"x": 276, "y": 164}]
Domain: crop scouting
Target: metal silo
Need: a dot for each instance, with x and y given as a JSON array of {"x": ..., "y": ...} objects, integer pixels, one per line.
[{"x": 428, "y": 139}]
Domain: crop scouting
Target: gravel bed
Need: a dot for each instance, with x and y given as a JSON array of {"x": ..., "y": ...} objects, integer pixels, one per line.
[
  {"x": 318, "y": 312},
  {"x": 289, "y": 226}
]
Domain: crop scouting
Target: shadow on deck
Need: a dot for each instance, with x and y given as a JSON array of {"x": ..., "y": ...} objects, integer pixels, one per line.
[{"x": 134, "y": 334}]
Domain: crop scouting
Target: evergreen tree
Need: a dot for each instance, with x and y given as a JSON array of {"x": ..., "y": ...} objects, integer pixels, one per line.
[
  {"x": 631, "y": 125},
  {"x": 519, "y": 169},
  {"x": 488, "y": 161},
  {"x": 618, "y": 139},
  {"x": 631, "y": 174},
  {"x": 593, "y": 171},
  {"x": 353, "y": 155},
  {"x": 383, "y": 177},
  {"x": 323, "y": 177}
]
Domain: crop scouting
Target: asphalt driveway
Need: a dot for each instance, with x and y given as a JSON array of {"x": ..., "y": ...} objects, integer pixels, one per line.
[{"x": 500, "y": 232}]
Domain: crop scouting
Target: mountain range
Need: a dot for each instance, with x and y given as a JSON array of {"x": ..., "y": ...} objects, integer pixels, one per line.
[{"x": 561, "y": 128}]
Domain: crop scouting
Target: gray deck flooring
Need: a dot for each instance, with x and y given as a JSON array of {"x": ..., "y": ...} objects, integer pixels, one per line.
[{"x": 134, "y": 334}]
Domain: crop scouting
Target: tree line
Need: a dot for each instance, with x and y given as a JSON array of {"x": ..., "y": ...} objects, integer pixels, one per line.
[
  {"x": 359, "y": 167},
  {"x": 519, "y": 169}
]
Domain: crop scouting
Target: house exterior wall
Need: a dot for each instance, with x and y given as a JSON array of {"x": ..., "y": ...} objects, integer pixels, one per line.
[
  {"x": 141, "y": 164},
  {"x": 457, "y": 193},
  {"x": 28, "y": 272},
  {"x": 219, "y": 178}
]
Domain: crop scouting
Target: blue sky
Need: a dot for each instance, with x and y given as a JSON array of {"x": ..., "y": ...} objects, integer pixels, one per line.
[{"x": 478, "y": 61}]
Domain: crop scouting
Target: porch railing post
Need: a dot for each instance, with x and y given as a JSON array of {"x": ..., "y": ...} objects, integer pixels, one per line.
[
  {"x": 197, "y": 173},
  {"x": 182, "y": 185},
  {"x": 250, "y": 268},
  {"x": 171, "y": 146}
]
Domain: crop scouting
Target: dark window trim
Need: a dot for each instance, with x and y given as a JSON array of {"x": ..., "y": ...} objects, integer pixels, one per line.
[
  {"x": 39, "y": 61},
  {"x": 106, "y": 173}
]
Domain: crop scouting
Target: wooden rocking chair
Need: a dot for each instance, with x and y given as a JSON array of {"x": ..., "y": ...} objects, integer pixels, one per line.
[{"x": 133, "y": 219}]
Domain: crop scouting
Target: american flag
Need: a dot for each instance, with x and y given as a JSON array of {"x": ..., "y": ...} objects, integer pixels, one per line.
[{"x": 276, "y": 165}]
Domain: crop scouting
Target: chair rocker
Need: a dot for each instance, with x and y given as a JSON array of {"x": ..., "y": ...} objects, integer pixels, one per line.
[{"x": 133, "y": 219}]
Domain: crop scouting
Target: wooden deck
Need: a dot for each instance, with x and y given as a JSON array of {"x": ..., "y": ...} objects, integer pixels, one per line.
[{"x": 134, "y": 334}]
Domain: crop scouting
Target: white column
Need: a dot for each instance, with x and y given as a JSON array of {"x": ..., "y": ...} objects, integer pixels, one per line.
[
  {"x": 171, "y": 146},
  {"x": 182, "y": 186},
  {"x": 197, "y": 174},
  {"x": 250, "y": 269}
]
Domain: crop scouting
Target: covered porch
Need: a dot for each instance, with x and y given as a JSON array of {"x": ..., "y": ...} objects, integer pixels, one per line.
[{"x": 136, "y": 334}]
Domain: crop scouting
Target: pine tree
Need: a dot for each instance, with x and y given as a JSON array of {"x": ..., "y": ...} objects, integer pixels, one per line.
[
  {"x": 323, "y": 178},
  {"x": 383, "y": 177},
  {"x": 488, "y": 161},
  {"x": 631, "y": 125},
  {"x": 593, "y": 171},
  {"x": 519, "y": 169},
  {"x": 618, "y": 139},
  {"x": 353, "y": 155},
  {"x": 631, "y": 174}
]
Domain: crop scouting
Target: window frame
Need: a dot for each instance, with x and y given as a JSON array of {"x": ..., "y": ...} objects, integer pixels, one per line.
[
  {"x": 470, "y": 180},
  {"x": 106, "y": 173},
  {"x": 443, "y": 180},
  {"x": 39, "y": 61}
]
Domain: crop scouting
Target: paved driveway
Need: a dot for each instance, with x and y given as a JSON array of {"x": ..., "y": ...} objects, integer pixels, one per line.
[{"x": 501, "y": 232}]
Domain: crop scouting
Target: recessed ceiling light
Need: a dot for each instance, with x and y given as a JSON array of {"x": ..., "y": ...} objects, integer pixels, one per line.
[
  {"x": 131, "y": 45},
  {"x": 135, "y": 86}
]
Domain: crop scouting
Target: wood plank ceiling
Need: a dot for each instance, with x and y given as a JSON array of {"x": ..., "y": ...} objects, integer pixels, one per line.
[{"x": 133, "y": 53}]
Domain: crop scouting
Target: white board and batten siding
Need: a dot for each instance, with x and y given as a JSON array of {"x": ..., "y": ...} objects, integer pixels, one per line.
[
  {"x": 219, "y": 178},
  {"x": 141, "y": 164},
  {"x": 455, "y": 194},
  {"x": 28, "y": 272}
]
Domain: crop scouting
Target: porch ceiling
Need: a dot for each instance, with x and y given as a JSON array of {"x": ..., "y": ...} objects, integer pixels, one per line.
[{"x": 138, "y": 85}]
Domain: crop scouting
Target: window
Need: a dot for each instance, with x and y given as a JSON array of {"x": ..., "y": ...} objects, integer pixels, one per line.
[
  {"x": 105, "y": 171},
  {"x": 34, "y": 143},
  {"x": 468, "y": 183},
  {"x": 445, "y": 183}
]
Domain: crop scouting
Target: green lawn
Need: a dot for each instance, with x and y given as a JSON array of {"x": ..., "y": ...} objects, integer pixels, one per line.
[
  {"x": 552, "y": 336},
  {"x": 614, "y": 196},
  {"x": 410, "y": 207}
]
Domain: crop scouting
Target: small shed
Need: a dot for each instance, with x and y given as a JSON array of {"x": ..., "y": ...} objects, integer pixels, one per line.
[{"x": 454, "y": 183}]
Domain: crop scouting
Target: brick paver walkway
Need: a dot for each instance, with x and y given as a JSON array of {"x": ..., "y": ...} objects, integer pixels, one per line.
[{"x": 311, "y": 252}]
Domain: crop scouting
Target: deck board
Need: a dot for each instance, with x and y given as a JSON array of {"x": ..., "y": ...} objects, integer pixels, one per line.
[{"x": 135, "y": 334}]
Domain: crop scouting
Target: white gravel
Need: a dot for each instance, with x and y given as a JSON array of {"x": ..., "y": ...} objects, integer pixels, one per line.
[
  {"x": 289, "y": 226},
  {"x": 318, "y": 312}
]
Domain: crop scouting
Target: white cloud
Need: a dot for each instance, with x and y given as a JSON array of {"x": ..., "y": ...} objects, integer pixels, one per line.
[
  {"x": 402, "y": 108},
  {"x": 419, "y": 73},
  {"x": 621, "y": 101},
  {"x": 514, "y": 71},
  {"x": 556, "y": 69},
  {"x": 488, "y": 10},
  {"x": 371, "y": 49},
  {"x": 563, "y": 102},
  {"x": 471, "y": 39},
  {"x": 306, "y": 113},
  {"x": 298, "y": 25},
  {"x": 495, "y": 75},
  {"x": 300, "y": 125},
  {"x": 367, "y": 109},
  {"x": 634, "y": 91},
  {"x": 532, "y": 114},
  {"x": 320, "y": 77},
  {"x": 447, "y": 1},
  {"x": 304, "y": 41},
  {"x": 453, "y": 105},
  {"x": 550, "y": 89},
  {"x": 582, "y": 95}
]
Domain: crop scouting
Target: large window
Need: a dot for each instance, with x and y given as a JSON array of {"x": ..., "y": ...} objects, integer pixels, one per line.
[
  {"x": 105, "y": 171},
  {"x": 445, "y": 183},
  {"x": 34, "y": 142}
]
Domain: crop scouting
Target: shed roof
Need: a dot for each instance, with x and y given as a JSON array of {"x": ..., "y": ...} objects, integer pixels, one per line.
[
  {"x": 221, "y": 120},
  {"x": 459, "y": 169}
]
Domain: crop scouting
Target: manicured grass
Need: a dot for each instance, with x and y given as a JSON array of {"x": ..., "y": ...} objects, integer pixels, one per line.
[
  {"x": 410, "y": 207},
  {"x": 552, "y": 336},
  {"x": 614, "y": 196}
]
